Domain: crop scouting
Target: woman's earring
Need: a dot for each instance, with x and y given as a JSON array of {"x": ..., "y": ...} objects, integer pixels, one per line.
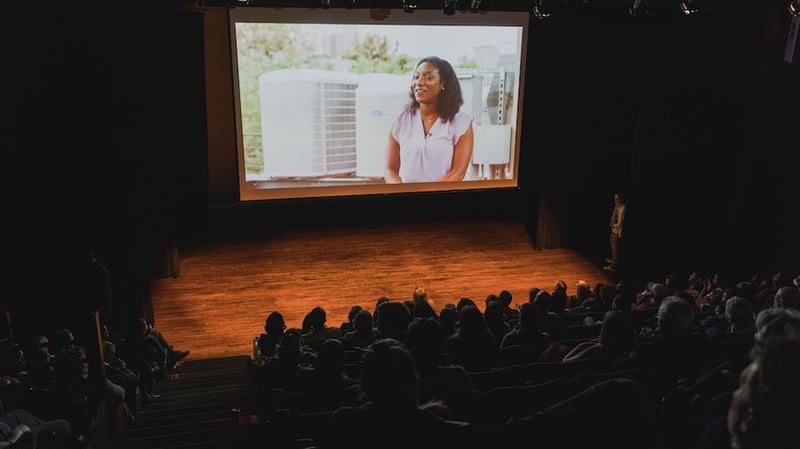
[{"x": 442, "y": 87}]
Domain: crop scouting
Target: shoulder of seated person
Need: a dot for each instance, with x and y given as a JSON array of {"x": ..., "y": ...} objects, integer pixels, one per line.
[
  {"x": 451, "y": 368},
  {"x": 344, "y": 413},
  {"x": 438, "y": 420}
]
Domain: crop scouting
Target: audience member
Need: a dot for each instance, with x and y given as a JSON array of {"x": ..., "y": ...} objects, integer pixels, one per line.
[
  {"x": 779, "y": 280},
  {"x": 509, "y": 312},
  {"x": 547, "y": 321},
  {"x": 472, "y": 346},
  {"x": 93, "y": 285},
  {"x": 527, "y": 333},
  {"x": 558, "y": 302},
  {"x": 363, "y": 333},
  {"x": 315, "y": 329},
  {"x": 378, "y": 303},
  {"x": 495, "y": 321},
  {"x": 393, "y": 322},
  {"x": 463, "y": 302},
  {"x": 448, "y": 318},
  {"x": 422, "y": 304},
  {"x": 281, "y": 370},
  {"x": 347, "y": 326},
  {"x": 436, "y": 380},
  {"x": 393, "y": 417},
  {"x": 616, "y": 340},
  {"x": 760, "y": 411},
  {"x": 325, "y": 382},
  {"x": 41, "y": 433},
  {"x": 582, "y": 293},
  {"x": 274, "y": 327},
  {"x": 150, "y": 344},
  {"x": 675, "y": 353},
  {"x": 787, "y": 297}
]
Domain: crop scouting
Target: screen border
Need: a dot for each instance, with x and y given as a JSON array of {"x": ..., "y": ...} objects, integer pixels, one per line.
[{"x": 365, "y": 16}]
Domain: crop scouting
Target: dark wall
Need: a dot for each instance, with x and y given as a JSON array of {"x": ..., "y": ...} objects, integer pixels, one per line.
[
  {"x": 689, "y": 116},
  {"x": 709, "y": 184},
  {"x": 109, "y": 145}
]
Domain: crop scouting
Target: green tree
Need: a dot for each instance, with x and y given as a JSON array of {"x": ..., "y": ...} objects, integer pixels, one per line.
[
  {"x": 465, "y": 63},
  {"x": 374, "y": 54}
]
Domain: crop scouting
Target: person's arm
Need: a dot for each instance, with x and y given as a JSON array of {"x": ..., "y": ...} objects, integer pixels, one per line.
[
  {"x": 391, "y": 173},
  {"x": 462, "y": 155},
  {"x": 580, "y": 351},
  {"x": 621, "y": 220}
]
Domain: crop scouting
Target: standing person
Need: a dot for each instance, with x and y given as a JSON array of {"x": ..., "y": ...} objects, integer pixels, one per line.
[
  {"x": 431, "y": 140},
  {"x": 90, "y": 288},
  {"x": 616, "y": 224}
]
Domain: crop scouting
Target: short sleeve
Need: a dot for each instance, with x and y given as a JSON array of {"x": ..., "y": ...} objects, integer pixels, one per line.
[
  {"x": 461, "y": 123},
  {"x": 398, "y": 122}
]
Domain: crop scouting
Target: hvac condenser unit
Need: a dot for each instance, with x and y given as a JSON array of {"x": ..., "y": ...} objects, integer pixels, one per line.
[
  {"x": 308, "y": 123},
  {"x": 379, "y": 98},
  {"x": 472, "y": 93}
]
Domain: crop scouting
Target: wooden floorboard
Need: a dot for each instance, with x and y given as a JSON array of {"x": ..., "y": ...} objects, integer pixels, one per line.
[{"x": 225, "y": 290}]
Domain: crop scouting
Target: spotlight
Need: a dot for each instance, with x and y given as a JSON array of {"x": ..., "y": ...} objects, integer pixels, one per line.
[
  {"x": 474, "y": 6},
  {"x": 410, "y": 5},
  {"x": 794, "y": 8},
  {"x": 324, "y": 4},
  {"x": 449, "y": 7},
  {"x": 639, "y": 8},
  {"x": 689, "y": 7},
  {"x": 540, "y": 11}
]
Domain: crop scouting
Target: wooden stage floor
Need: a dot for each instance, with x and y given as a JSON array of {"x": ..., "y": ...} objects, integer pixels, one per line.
[{"x": 225, "y": 290}]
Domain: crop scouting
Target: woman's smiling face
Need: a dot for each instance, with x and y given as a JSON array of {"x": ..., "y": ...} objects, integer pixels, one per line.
[{"x": 426, "y": 83}]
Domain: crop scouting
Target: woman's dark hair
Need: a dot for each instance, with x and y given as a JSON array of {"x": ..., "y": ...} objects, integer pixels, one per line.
[
  {"x": 505, "y": 298},
  {"x": 450, "y": 99},
  {"x": 363, "y": 321},
  {"x": 274, "y": 324},
  {"x": 617, "y": 334},
  {"x": 463, "y": 302},
  {"x": 389, "y": 374},
  {"x": 314, "y": 320}
]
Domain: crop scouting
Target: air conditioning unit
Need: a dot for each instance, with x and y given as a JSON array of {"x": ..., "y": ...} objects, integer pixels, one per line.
[
  {"x": 308, "y": 123},
  {"x": 472, "y": 93},
  {"x": 379, "y": 98}
]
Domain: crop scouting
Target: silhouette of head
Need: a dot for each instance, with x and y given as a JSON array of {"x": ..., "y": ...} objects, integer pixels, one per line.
[
  {"x": 331, "y": 356},
  {"x": 768, "y": 386},
  {"x": 527, "y": 317},
  {"x": 788, "y": 298},
  {"x": 616, "y": 333},
  {"x": 363, "y": 322},
  {"x": 275, "y": 325},
  {"x": 675, "y": 317},
  {"x": 393, "y": 319},
  {"x": 389, "y": 376},
  {"x": 505, "y": 298}
]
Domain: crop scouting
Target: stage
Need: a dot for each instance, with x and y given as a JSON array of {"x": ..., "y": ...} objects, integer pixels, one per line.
[{"x": 225, "y": 289}]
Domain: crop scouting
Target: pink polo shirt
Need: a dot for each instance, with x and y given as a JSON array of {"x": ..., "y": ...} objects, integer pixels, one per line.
[{"x": 426, "y": 158}]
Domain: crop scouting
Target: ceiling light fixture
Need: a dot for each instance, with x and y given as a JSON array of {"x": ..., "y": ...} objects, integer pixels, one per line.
[
  {"x": 449, "y": 7},
  {"x": 410, "y": 5},
  {"x": 540, "y": 11}
]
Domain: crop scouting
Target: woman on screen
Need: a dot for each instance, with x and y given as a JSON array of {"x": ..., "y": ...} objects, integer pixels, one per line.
[{"x": 430, "y": 140}]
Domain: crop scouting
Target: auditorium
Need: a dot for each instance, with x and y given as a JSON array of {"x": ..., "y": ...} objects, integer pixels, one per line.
[{"x": 314, "y": 224}]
